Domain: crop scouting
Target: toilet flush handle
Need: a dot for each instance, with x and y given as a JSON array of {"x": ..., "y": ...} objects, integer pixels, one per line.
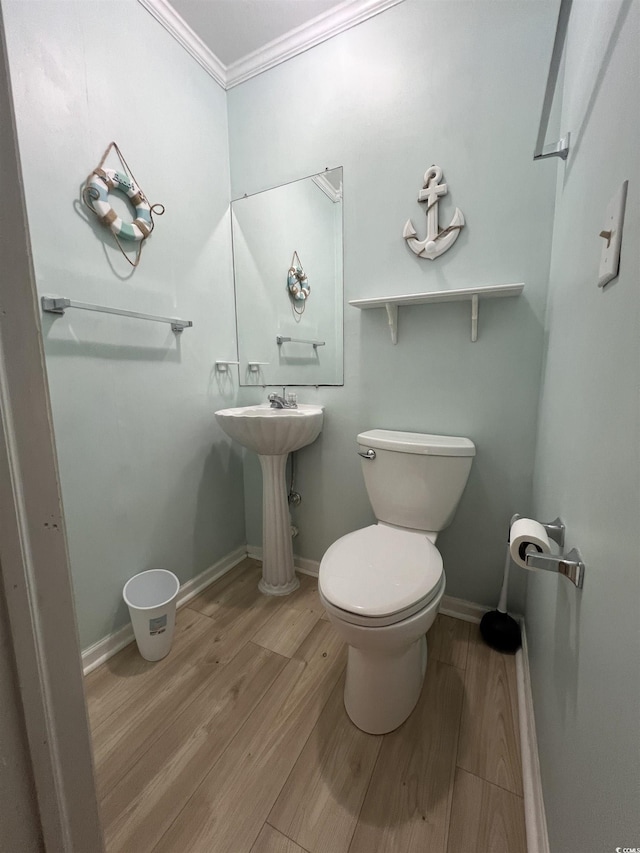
[{"x": 367, "y": 454}]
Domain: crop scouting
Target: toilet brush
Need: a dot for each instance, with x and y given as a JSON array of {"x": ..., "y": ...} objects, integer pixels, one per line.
[{"x": 498, "y": 629}]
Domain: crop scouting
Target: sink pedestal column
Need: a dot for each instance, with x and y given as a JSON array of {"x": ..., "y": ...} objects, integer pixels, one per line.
[{"x": 278, "y": 574}]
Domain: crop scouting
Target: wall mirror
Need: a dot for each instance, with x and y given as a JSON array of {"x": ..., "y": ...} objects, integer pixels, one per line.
[{"x": 287, "y": 255}]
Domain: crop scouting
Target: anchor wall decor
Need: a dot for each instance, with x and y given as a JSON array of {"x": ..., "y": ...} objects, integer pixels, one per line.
[{"x": 437, "y": 241}]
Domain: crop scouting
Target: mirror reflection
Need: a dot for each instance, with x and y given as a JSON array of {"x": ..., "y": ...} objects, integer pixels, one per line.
[{"x": 287, "y": 254}]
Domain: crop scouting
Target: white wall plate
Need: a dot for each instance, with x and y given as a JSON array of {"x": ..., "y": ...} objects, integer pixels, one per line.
[{"x": 611, "y": 234}]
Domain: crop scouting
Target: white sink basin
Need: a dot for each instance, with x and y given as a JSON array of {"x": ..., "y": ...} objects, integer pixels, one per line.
[{"x": 272, "y": 432}]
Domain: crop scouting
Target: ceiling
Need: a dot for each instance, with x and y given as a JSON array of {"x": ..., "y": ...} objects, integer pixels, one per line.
[
  {"x": 233, "y": 29},
  {"x": 234, "y": 40}
]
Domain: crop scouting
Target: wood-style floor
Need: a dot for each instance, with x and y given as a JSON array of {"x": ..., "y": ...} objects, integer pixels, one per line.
[{"x": 238, "y": 741}]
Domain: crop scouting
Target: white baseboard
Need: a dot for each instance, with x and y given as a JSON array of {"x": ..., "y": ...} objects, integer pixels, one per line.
[
  {"x": 534, "y": 814},
  {"x": 111, "y": 644},
  {"x": 306, "y": 567},
  {"x": 106, "y": 648},
  {"x": 468, "y": 611},
  {"x": 254, "y": 551},
  {"x": 195, "y": 586}
]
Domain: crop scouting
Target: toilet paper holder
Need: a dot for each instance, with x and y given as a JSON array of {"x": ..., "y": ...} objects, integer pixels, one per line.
[
  {"x": 570, "y": 565},
  {"x": 555, "y": 530}
]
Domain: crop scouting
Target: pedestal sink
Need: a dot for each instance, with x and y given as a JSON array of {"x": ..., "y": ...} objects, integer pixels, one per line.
[{"x": 273, "y": 434}]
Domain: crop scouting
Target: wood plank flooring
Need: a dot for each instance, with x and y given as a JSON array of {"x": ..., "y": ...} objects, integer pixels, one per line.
[{"x": 238, "y": 741}]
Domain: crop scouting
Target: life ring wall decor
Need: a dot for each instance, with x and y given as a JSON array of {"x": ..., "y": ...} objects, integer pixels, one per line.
[
  {"x": 95, "y": 195},
  {"x": 298, "y": 284},
  {"x": 101, "y": 183}
]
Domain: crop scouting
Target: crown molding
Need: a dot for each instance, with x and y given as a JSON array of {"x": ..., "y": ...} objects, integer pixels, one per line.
[
  {"x": 348, "y": 14},
  {"x": 323, "y": 183},
  {"x": 319, "y": 29},
  {"x": 166, "y": 15}
]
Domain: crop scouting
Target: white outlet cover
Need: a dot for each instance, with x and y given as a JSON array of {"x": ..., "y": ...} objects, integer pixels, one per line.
[{"x": 610, "y": 258}]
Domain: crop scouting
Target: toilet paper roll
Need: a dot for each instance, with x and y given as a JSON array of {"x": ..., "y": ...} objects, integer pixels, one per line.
[{"x": 527, "y": 534}]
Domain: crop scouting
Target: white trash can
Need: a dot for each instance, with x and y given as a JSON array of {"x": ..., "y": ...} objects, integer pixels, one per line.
[{"x": 151, "y": 599}]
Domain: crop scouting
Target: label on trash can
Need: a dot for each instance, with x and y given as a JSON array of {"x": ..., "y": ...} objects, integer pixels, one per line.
[{"x": 158, "y": 625}]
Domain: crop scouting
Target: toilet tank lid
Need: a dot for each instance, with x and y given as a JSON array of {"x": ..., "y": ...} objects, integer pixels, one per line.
[{"x": 417, "y": 442}]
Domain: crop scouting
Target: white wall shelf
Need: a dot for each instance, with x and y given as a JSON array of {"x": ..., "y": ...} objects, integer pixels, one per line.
[{"x": 473, "y": 294}]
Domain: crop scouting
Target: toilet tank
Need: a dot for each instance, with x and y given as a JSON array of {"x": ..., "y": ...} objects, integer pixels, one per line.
[{"x": 416, "y": 480}]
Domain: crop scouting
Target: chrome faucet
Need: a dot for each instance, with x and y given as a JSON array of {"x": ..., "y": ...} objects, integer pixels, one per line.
[{"x": 279, "y": 402}]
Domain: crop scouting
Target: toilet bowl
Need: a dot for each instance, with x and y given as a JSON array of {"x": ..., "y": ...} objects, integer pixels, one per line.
[
  {"x": 382, "y": 585},
  {"x": 382, "y": 606}
]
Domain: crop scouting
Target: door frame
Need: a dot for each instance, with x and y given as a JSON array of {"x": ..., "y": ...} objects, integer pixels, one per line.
[{"x": 34, "y": 559}]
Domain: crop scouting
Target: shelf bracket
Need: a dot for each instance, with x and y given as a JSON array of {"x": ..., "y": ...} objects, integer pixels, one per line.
[
  {"x": 474, "y": 318},
  {"x": 392, "y": 314}
]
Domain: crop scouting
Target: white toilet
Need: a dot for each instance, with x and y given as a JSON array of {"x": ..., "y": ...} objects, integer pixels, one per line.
[{"x": 382, "y": 586}]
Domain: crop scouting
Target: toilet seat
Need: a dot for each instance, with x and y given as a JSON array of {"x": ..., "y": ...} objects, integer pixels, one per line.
[
  {"x": 380, "y": 575},
  {"x": 382, "y": 621}
]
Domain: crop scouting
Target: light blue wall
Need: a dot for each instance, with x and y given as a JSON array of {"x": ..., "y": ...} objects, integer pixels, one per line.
[
  {"x": 461, "y": 85},
  {"x": 147, "y": 478},
  {"x": 585, "y": 646}
]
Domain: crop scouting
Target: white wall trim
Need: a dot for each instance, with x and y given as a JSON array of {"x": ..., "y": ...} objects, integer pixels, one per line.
[
  {"x": 331, "y": 23},
  {"x": 165, "y": 14},
  {"x": 254, "y": 551},
  {"x": 314, "y": 32},
  {"x": 35, "y": 567},
  {"x": 110, "y": 645},
  {"x": 106, "y": 648},
  {"x": 468, "y": 611},
  {"x": 534, "y": 813},
  {"x": 306, "y": 567},
  {"x": 194, "y": 587},
  {"x": 323, "y": 183}
]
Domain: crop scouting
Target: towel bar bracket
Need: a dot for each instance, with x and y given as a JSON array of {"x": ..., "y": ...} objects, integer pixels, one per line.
[
  {"x": 555, "y": 149},
  {"x": 561, "y": 148},
  {"x": 55, "y": 304}
]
